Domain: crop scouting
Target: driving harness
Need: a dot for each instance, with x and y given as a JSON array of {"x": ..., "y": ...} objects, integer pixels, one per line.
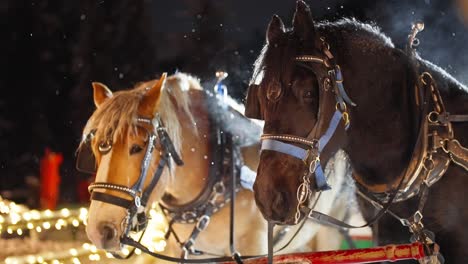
[{"x": 435, "y": 149}]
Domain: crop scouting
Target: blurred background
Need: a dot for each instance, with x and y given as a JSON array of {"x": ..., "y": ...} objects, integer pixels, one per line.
[{"x": 53, "y": 50}]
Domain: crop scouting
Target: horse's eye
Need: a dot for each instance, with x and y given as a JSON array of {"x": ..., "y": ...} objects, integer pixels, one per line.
[
  {"x": 135, "y": 149},
  {"x": 105, "y": 146},
  {"x": 308, "y": 94}
]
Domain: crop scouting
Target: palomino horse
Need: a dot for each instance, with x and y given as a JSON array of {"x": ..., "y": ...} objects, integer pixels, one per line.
[
  {"x": 403, "y": 142},
  {"x": 188, "y": 125}
]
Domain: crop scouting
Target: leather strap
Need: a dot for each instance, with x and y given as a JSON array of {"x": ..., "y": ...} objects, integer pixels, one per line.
[
  {"x": 156, "y": 176},
  {"x": 285, "y": 148},
  {"x": 111, "y": 199}
]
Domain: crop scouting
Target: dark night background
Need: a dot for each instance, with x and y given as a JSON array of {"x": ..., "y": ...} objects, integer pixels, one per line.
[{"x": 53, "y": 50}]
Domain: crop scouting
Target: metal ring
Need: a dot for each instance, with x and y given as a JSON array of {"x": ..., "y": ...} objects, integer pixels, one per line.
[
  {"x": 303, "y": 192},
  {"x": 346, "y": 118},
  {"x": 433, "y": 117},
  {"x": 203, "y": 223},
  {"x": 188, "y": 214},
  {"x": 137, "y": 201},
  {"x": 338, "y": 107},
  {"x": 423, "y": 75},
  {"x": 432, "y": 164},
  {"x": 315, "y": 163},
  {"x": 326, "y": 84},
  {"x": 444, "y": 145},
  {"x": 325, "y": 43},
  {"x": 219, "y": 188}
]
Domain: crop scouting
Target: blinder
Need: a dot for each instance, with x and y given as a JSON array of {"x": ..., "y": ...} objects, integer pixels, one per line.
[
  {"x": 252, "y": 106},
  {"x": 85, "y": 161},
  {"x": 274, "y": 91}
]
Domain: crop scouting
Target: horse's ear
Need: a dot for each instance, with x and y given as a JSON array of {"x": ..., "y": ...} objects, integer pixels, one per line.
[
  {"x": 303, "y": 24},
  {"x": 275, "y": 29},
  {"x": 151, "y": 97},
  {"x": 100, "y": 93}
]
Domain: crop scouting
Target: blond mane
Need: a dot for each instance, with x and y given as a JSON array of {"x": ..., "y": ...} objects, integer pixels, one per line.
[{"x": 116, "y": 118}]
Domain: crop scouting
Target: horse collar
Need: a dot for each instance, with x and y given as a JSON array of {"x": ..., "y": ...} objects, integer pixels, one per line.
[
  {"x": 435, "y": 147},
  {"x": 224, "y": 166}
]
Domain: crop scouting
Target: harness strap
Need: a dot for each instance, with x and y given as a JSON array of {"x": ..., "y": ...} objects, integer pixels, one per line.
[
  {"x": 270, "y": 242},
  {"x": 201, "y": 225},
  {"x": 325, "y": 138},
  {"x": 131, "y": 242},
  {"x": 157, "y": 174},
  {"x": 447, "y": 117},
  {"x": 145, "y": 164},
  {"x": 342, "y": 95},
  {"x": 111, "y": 199},
  {"x": 458, "y": 153}
]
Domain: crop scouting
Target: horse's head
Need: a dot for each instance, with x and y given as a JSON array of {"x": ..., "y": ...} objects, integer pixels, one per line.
[
  {"x": 285, "y": 93},
  {"x": 130, "y": 146}
]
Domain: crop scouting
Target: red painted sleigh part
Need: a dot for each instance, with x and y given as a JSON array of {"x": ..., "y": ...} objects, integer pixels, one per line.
[{"x": 390, "y": 253}]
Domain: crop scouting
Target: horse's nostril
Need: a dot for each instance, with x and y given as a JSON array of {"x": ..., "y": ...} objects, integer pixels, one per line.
[
  {"x": 108, "y": 232},
  {"x": 280, "y": 199},
  {"x": 280, "y": 202}
]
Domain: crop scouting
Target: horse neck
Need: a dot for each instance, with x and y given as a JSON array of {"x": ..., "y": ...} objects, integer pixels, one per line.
[
  {"x": 190, "y": 179},
  {"x": 383, "y": 125}
]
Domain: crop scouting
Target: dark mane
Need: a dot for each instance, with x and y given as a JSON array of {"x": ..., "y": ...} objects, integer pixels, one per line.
[{"x": 355, "y": 30}]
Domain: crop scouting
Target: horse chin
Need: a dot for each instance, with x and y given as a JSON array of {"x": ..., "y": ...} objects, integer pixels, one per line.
[{"x": 104, "y": 227}]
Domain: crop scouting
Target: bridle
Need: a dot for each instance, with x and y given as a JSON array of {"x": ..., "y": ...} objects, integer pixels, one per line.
[
  {"x": 331, "y": 91},
  {"x": 136, "y": 219}
]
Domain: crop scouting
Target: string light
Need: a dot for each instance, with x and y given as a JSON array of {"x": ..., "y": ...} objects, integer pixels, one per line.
[{"x": 20, "y": 218}]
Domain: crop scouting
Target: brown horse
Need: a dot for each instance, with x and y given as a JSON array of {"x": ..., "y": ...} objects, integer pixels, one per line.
[
  {"x": 177, "y": 110},
  {"x": 396, "y": 117}
]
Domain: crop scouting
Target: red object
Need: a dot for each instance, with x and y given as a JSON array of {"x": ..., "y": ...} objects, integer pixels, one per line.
[
  {"x": 83, "y": 193},
  {"x": 50, "y": 179},
  {"x": 390, "y": 253}
]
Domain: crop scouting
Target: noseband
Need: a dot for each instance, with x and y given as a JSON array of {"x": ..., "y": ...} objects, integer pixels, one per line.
[
  {"x": 331, "y": 92},
  {"x": 136, "y": 219}
]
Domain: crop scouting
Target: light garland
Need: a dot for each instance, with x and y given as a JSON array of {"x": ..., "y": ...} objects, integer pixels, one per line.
[
  {"x": 20, "y": 221},
  {"x": 44, "y": 220}
]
